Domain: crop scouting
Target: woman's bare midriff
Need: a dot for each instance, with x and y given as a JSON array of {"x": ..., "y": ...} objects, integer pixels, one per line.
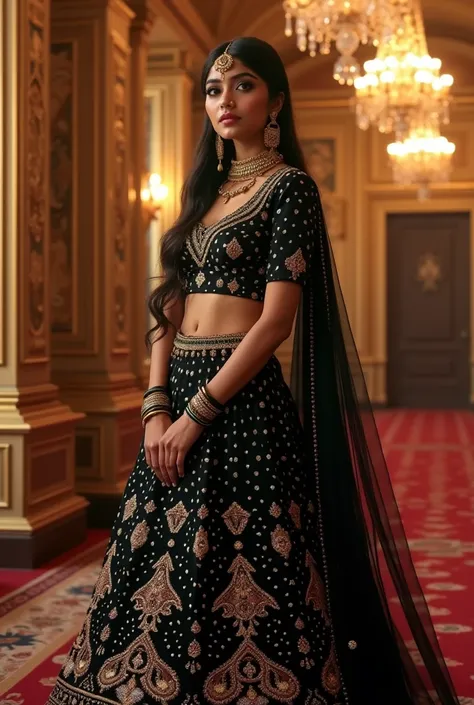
[{"x": 218, "y": 314}]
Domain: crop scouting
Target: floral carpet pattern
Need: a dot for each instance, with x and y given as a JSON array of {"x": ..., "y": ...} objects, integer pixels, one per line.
[{"x": 431, "y": 460}]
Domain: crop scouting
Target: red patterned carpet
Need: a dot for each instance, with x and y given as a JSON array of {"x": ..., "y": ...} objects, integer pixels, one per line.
[{"x": 431, "y": 461}]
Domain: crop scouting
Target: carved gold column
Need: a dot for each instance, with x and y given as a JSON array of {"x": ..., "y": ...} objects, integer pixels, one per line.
[
  {"x": 40, "y": 514},
  {"x": 92, "y": 255},
  {"x": 145, "y": 15}
]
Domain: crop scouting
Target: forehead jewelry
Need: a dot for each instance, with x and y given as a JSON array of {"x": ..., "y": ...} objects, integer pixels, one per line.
[{"x": 224, "y": 62}]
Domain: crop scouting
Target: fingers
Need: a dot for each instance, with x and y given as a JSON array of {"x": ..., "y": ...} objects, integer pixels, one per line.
[
  {"x": 180, "y": 463},
  {"x": 162, "y": 464},
  {"x": 153, "y": 462},
  {"x": 171, "y": 456}
]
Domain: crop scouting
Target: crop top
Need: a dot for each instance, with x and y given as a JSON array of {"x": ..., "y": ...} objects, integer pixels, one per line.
[{"x": 269, "y": 238}]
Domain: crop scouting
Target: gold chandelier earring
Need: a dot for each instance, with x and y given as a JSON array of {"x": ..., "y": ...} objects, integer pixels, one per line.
[
  {"x": 271, "y": 134},
  {"x": 220, "y": 152}
]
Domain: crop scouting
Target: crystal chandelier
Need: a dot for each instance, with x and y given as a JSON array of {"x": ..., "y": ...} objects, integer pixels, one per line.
[
  {"x": 402, "y": 88},
  {"x": 423, "y": 158},
  {"x": 348, "y": 23}
]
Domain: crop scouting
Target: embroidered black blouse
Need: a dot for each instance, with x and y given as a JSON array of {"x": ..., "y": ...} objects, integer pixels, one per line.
[{"x": 269, "y": 238}]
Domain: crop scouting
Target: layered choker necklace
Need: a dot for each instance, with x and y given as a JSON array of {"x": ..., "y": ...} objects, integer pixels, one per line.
[{"x": 247, "y": 171}]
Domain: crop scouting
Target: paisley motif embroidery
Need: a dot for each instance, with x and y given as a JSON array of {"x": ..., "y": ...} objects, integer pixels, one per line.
[
  {"x": 234, "y": 248},
  {"x": 130, "y": 507},
  {"x": 295, "y": 513},
  {"x": 315, "y": 593},
  {"x": 330, "y": 677},
  {"x": 139, "y": 535},
  {"x": 201, "y": 544},
  {"x": 275, "y": 510},
  {"x": 157, "y": 596}
]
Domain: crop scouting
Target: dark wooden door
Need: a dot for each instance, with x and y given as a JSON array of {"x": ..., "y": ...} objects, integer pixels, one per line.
[{"x": 428, "y": 310}]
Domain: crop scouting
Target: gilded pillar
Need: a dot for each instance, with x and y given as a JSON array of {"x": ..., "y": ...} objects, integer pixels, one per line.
[
  {"x": 40, "y": 514},
  {"x": 92, "y": 245},
  {"x": 145, "y": 15}
]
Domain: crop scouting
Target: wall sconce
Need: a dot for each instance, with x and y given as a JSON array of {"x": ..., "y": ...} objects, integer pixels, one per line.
[{"x": 152, "y": 195}]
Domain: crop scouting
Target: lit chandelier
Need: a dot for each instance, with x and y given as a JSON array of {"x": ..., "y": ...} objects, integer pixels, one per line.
[
  {"x": 423, "y": 158},
  {"x": 402, "y": 88},
  {"x": 348, "y": 23}
]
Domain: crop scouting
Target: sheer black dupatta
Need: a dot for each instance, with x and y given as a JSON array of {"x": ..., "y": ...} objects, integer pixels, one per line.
[{"x": 366, "y": 555}]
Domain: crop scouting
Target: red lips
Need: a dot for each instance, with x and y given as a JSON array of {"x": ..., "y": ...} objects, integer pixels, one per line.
[{"x": 229, "y": 117}]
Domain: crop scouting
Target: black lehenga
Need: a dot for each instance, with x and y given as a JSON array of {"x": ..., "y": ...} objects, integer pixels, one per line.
[{"x": 258, "y": 579}]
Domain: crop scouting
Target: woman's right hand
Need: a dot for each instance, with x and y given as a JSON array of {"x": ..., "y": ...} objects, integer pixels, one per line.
[{"x": 155, "y": 428}]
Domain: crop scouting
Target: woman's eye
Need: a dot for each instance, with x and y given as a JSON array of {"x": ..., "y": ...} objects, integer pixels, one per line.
[
  {"x": 212, "y": 91},
  {"x": 245, "y": 86}
]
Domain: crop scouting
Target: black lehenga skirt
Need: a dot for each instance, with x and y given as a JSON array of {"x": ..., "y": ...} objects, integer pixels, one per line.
[{"x": 211, "y": 591}]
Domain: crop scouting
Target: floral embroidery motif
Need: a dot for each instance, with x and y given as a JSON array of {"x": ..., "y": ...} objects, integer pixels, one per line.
[
  {"x": 157, "y": 596},
  {"x": 243, "y": 599},
  {"x": 195, "y": 627},
  {"x": 226, "y": 683},
  {"x": 275, "y": 510},
  {"x": 129, "y": 694},
  {"x": 238, "y": 545},
  {"x": 130, "y": 507},
  {"x": 299, "y": 624},
  {"x": 295, "y": 513},
  {"x": 150, "y": 506},
  {"x": 156, "y": 678},
  {"x": 203, "y": 511},
  {"x": 200, "y": 279},
  {"x": 234, "y": 248},
  {"x": 330, "y": 677},
  {"x": 220, "y": 283},
  {"x": 281, "y": 541},
  {"x": 315, "y": 593},
  {"x": 105, "y": 633},
  {"x": 236, "y": 518},
  {"x": 176, "y": 516},
  {"x": 139, "y": 535},
  {"x": 296, "y": 264},
  {"x": 113, "y": 614},
  {"x": 233, "y": 286},
  {"x": 201, "y": 544}
]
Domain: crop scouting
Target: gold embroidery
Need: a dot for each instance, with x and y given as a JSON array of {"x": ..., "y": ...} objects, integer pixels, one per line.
[
  {"x": 299, "y": 624},
  {"x": 105, "y": 633},
  {"x": 157, "y": 679},
  {"x": 233, "y": 286},
  {"x": 234, "y": 248},
  {"x": 201, "y": 544},
  {"x": 203, "y": 511},
  {"x": 150, "y": 506},
  {"x": 171, "y": 543},
  {"x": 281, "y": 541},
  {"x": 220, "y": 283},
  {"x": 303, "y": 645},
  {"x": 236, "y": 518},
  {"x": 225, "y": 684},
  {"x": 296, "y": 264},
  {"x": 139, "y": 535},
  {"x": 113, "y": 614},
  {"x": 129, "y": 693},
  {"x": 176, "y": 516},
  {"x": 195, "y": 627},
  {"x": 264, "y": 215},
  {"x": 157, "y": 596},
  {"x": 330, "y": 676},
  {"x": 352, "y": 644},
  {"x": 130, "y": 507},
  {"x": 315, "y": 593},
  {"x": 201, "y": 238},
  {"x": 243, "y": 599},
  {"x": 295, "y": 513},
  {"x": 238, "y": 545},
  {"x": 200, "y": 279},
  {"x": 275, "y": 510},
  {"x": 194, "y": 650}
]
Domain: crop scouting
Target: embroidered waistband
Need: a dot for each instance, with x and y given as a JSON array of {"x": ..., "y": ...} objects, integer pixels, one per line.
[{"x": 186, "y": 344}]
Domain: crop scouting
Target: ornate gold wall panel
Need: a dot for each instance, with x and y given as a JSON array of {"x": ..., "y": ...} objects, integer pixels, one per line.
[{"x": 36, "y": 429}]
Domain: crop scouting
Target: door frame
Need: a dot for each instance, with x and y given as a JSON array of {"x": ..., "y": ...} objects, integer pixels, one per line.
[{"x": 380, "y": 208}]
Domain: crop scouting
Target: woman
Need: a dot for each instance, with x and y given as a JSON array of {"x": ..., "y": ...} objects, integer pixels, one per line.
[{"x": 245, "y": 565}]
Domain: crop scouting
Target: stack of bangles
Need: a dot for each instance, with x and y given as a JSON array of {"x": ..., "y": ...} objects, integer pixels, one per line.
[
  {"x": 202, "y": 408},
  {"x": 156, "y": 400}
]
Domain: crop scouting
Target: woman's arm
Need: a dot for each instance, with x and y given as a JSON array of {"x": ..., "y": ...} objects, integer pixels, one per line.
[{"x": 266, "y": 335}]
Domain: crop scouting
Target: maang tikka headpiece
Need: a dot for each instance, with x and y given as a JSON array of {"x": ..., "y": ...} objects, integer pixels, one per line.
[{"x": 224, "y": 62}]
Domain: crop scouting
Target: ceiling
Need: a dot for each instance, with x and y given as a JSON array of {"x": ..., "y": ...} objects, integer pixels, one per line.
[{"x": 202, "y": 24}]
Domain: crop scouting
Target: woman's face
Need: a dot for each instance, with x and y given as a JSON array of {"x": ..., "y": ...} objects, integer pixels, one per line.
[{"x": 237, "y": 102}]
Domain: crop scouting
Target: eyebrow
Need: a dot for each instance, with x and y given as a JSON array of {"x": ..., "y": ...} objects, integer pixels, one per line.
[{"x": 233, "y": 78}]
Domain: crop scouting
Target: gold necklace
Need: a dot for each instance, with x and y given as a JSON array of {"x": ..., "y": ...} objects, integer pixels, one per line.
[{"x": 248, "y": 170}]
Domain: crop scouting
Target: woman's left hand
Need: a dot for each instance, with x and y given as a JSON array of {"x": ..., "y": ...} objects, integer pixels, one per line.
[{"x": 174, "y": 446}]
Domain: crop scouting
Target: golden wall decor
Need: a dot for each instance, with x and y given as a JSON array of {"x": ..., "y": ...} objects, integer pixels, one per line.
[
  {"x": 35, "y": 343},
  {"x": 63, "y": 271},
  {"x": 120, "y": 211},
  {"x": 320, "y": 155}
]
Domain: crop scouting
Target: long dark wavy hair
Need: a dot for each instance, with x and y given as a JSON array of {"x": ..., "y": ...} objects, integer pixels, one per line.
[{"x": 200, "y": 188}]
